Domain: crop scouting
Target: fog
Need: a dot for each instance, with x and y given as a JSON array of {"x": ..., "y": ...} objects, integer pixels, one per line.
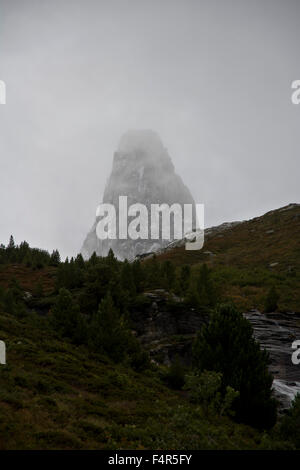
[{"x": 212, "y": 78}]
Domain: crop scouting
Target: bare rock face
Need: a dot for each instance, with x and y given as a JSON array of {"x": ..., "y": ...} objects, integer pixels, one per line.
[{"x": 143, "y": 171}]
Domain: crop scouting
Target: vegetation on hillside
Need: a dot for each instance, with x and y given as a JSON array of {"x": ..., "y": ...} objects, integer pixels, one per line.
[
  {"x": 249, "y": 258},
  {"x": 77, "y": 376}
]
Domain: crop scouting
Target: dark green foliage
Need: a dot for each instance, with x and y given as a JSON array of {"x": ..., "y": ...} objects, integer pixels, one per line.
[
  {"x": 55, "y": 258},
  {"x": 54, "y": 395},
  {"x": 69, "y": 275},
  {"x": 96, "y": 303},
  {"x": 100, "y": 277},
  {"x": 30, "y": 257},
  {"x": 66, "y": 317},
  {"x": 107, "y": 330},
  {"x": 200, "y": 292},
  {"x": 79, "y": 261},
  {"x": 93, "y": 259},
  {"x": 205, "y": 389},
  {"x": 175, "y": 375},
  {"x": 109, "y": 334},
  {"x": 38, "y": 289},
  {"x": 168, "y": 275},
  {"x": 27, "y": 260},
  {"x": 185, "y": 277},
  {"x": 127, "y": 278},
  {"x": 207, "y": 293},
  {"x": 153, "y": 273},
  {"x": 290, "y": 424},
  {"x": 271, "y": 301},
  {"x": 16, "y": 289},
  {"x": 13, "y": 299},
  {"x": 226, "y": 345},
  {"x": 138, "y": 276},
  {"x": 9, "y": 303},
  {"x": 11, "y": 244},
  {"x": 192, "y": 297}
]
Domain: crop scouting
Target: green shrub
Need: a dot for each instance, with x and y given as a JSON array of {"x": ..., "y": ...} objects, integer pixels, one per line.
[{"x": 205, "y": 389}]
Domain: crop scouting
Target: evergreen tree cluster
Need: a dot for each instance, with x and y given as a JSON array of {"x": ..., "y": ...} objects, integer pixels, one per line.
[
  {"x": 24, "y": 254},
  {"x": 92, "y": 302}
]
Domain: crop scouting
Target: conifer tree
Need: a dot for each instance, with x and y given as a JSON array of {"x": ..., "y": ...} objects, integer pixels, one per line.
[
  {"x": 108, "y": 330},
  {"x": 11, "y": 244},
  {"x": 226, "y": 345},
  {"x": 65, "y": 314},
  {"x": 185, "y": 277},
  {"x": 55, "y": 258},
  {"x": 127, "y": 279},
  {"x": 138, "y": 275},
  {"x": 207, "y": 294},
  {"x": 169, "y": 275},
  {"x": 80, "y": 261}
]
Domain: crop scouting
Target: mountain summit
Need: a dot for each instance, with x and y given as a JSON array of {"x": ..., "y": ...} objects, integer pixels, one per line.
[{"x": 143, "y": 171}]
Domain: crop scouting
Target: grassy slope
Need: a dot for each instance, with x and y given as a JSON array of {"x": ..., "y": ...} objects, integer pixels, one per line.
[
  {"x": 57, "y": 396},
  {"x": 242, "y": 256}
]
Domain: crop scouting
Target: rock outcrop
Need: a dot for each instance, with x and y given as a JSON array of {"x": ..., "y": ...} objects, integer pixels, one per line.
[
  {"x": 166, "y": 327},
  {"x": 276, "y": 332},
  {"x": 143, "y": 171}
]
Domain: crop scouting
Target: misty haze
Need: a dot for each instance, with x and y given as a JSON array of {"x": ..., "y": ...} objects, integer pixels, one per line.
[
  {"x": 134, "y": 342},
  {"x": 211, "y": 78}
]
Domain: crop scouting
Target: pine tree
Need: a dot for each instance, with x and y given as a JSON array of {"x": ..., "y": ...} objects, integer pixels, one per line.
[
  {"x": 108, "y": 332},
  {"x": 65, "y": 314},
  {"x": 55, "y": 258},
  {"x": 207, "y": 294},
  {"x": 11, "y": 250},
  {"x": 80, "y": 261},
  {"x": 226, "y": 345},
  {"x": 111, "y": 256},
  {"x": 185, "y": 277},
  {"x": 192, "y": 298},
  {"x": 127, "y": 279},
  {"x": 11, "y": 244},
  {"x": 169, "y": 275},
  {"x": 24, "y": 250},
  {"x": 93, "y": 259},
  {"x": 154, "y": 274},
  {"x": 138, "y": 275}
]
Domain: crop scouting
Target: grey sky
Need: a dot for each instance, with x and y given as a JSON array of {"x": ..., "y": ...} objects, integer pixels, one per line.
[{"x": 211, "y": 77}]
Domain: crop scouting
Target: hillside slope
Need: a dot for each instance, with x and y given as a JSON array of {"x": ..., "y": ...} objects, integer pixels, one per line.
[
  {"x": 251, "y": 256},
  {"x": 54, "y": 395}
]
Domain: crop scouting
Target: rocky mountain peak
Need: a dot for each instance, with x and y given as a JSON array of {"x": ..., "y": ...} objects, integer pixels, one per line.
[{"x": 143, "y": 171}]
